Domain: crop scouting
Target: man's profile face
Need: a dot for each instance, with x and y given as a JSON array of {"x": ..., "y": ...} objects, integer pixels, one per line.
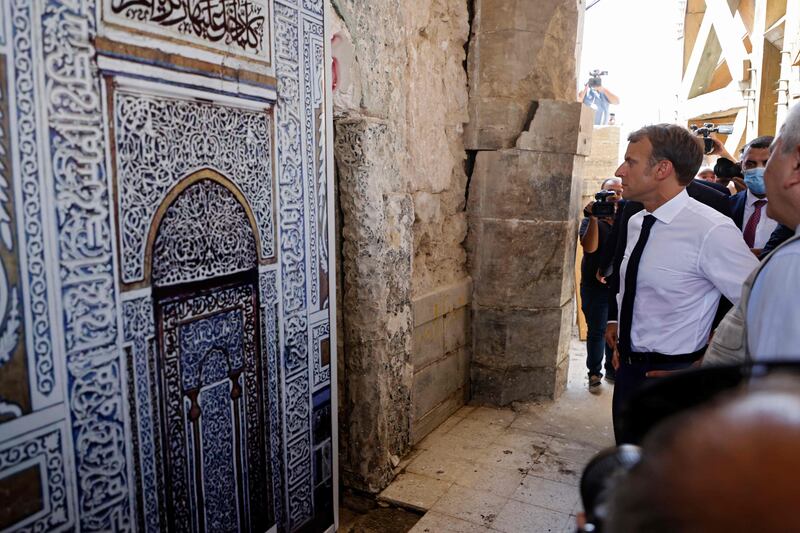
[
  {"x": 755, "y": 158},
  {"x": 635, "y": 171},
  {"x": 779, "y": 166}
]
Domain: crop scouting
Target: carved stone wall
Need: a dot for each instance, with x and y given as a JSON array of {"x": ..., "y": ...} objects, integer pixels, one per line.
[
  {"x": 401, "y": 102},
  {"x": 166, "y": 330}
]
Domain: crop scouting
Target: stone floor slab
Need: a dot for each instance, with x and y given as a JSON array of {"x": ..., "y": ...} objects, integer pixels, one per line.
[
  {"x": 439, "y": 465},
  {"x": 508, "y": 470},
  {"x": 414, "y": 491},
  {"x": 535, "y": 443},
  {"x": 476, "y": 430},
  {"x": 434, "y": 522},
  {"x": 497, "y": 480},
  {"x": 572, "y": 451},
  {"x": 476, "y": 506},
  {"x": 548, "y": 494},
  {"x": 507, "y": 457},
  {"x": 497, "y": 417},
  {"x": 519, "y": 517},
  {"x": 548, "y": 466}
]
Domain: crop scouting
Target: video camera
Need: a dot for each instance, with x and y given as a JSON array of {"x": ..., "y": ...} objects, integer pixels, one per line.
[
  {"x": 603, "y": 206},
  {"x": 595, "y": 78},
  {"x": 707, "y": 129}
]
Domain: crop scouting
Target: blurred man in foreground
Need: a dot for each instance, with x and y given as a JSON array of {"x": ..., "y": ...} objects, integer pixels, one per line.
[
  {"x": 766, "y": 324},
  {"x": 729, "y": 466}
]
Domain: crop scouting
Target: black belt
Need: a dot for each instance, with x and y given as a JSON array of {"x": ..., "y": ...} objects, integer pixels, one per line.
[{"x": 662, "y": 358}]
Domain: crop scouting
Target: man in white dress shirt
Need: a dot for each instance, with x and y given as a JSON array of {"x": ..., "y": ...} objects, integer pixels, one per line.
[
  {"x": 680, "y": 257},
  {"x": 773, "y": 310},
  {"x": 749, "y": 207}
]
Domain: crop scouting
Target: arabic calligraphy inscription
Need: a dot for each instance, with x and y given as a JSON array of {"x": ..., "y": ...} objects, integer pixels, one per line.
[{"x": 241, "y": 25}]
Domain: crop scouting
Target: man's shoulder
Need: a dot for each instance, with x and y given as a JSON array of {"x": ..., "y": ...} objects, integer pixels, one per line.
[
  {"x": 709, "y": 196},
  {"x": 706, "y": 216},
  {"x": 740, "y": 196}
]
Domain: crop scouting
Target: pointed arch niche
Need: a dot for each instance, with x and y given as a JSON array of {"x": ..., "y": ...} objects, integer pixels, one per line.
[{"x": 203, "y": 361}]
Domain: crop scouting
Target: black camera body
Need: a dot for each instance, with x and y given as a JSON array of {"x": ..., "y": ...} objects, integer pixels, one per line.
[
  {"x": 595, "y": 78},
  {"x": 707, "y": 129},
  {"x": 603, "y": 207}
]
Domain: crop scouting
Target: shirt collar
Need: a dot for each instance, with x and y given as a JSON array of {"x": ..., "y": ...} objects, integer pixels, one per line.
[
  {"x": 667, "y": 212},
  {"x": 752, "y": 198}
]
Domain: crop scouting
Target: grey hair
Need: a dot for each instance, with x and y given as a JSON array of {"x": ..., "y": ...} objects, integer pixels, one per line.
[
  {"x": 610, "y": 180},
  {"x": 790, "y": 131}
]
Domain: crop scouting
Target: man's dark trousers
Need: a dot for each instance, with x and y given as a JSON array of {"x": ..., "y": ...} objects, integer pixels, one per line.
[
  {"x": 594, "y": 304},
  {"x": 631, "y": 376}
]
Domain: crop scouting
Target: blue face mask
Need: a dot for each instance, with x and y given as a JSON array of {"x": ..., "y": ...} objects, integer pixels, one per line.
[{"x": 754, "y": 179}]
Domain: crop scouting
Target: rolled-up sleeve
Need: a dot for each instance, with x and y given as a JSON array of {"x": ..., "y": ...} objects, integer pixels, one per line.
[{"x": 727, "y": 261}]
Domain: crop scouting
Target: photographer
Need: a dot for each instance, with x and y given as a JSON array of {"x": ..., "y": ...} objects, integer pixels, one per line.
[
  {"x": 598, "y": 97},
  {"x": 594, "y": 233}
]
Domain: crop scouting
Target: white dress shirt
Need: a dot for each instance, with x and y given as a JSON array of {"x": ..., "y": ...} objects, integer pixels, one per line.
[
  {"x": 765, "y": 226},
  {"x": 773, "y": 310},
  {"x": 693, "y": 255}
]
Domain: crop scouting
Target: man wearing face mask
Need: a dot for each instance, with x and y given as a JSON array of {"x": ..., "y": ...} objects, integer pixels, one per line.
[{"x": 749, "y": 207}]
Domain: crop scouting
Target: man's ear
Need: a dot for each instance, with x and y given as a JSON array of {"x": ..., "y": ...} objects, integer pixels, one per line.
[{"x": 664, "y": 169}]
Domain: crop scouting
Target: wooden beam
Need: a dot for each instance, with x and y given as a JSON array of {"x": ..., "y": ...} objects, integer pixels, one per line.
[
  {"x": 694, "y": 59},
  {"x": 726, "y": 29},
  {"x": 723, "y": 101}
]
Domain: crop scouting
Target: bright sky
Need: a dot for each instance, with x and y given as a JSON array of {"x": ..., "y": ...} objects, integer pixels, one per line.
[{"x": 636, "y": 41}]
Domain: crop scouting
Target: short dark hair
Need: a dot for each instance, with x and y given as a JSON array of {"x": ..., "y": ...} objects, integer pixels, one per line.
[
  {"x": 675, "y": 144},
  {"x": 765, "y": 141}
]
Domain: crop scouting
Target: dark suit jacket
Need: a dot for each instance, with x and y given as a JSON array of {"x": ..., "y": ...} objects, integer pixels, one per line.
[
  {"x": 738, "y": 202},
  {"x": 619, "y": 238},
  {"x": 782, "y": 233},
  {"x": 716, "y": 186}
]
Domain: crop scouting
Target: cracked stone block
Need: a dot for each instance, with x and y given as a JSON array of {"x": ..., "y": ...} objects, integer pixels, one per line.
[{"x": 559, "y": 127}]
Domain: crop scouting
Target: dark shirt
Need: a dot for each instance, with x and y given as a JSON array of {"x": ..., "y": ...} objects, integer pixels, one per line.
[
  {"x": 591, "y": 262},
  {"x": 779, "y": 235}
]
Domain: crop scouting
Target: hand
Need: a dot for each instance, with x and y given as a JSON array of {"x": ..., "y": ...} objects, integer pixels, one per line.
[
  {"x": 719, "y": 148},
  {"x": 665, "y": 373},
  {"x": 600, "y": 278},
  {"x": 615, "y": 359},
  {"x": 587, "y": 211},
  {"x": 611, "y": 335}
]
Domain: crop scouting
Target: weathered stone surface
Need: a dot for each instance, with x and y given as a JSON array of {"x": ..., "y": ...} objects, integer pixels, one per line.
[
  {"x": 523, "y": 185},
  {"x": 438, "y": 415},
  {"x": 376, "y": 301},
  {"x": 503, "y": 81},
  {"x": 428, "y": 343},
  {"x": 406, "y": 66},
  {"x": 560, "y": 127},
  {"x": 434, "y": 383},
  {"x": 442, "y": 301},
  {"x": 523, "y": 264},
  {"x": 515, "y": 338},
  {"x": 503, "y": 386},
  {"x": 456, "y": 329}
]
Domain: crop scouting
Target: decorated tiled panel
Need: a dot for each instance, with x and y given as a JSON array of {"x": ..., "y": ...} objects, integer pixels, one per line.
[
  {"x": 165, "y": 321},
  {"x": 239, "y": 27}
]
